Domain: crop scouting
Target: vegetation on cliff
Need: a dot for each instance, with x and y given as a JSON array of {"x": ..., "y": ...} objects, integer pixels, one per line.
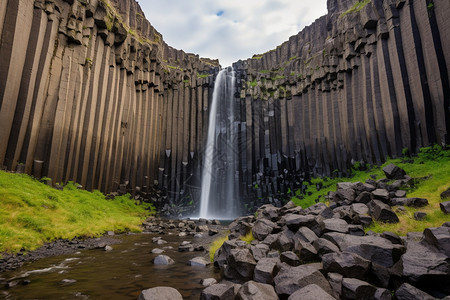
[
  {"x": 430, "y": 170},
  {"x": 32, "y": 213}
]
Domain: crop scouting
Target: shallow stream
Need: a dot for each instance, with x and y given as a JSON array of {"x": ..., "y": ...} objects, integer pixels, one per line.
[{"x": 118, "y": 274}]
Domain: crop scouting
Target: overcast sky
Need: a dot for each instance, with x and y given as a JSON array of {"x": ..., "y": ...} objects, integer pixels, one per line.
[{"x": 230, "y": 29}]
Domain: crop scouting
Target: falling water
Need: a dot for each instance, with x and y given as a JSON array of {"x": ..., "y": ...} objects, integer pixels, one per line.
[{"x": 219, "y": 198}]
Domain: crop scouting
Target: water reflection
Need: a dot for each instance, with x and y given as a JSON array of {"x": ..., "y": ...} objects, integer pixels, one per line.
[{"x": 118, "y": 274}]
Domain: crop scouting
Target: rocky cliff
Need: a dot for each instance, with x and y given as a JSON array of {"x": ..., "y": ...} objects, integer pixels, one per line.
[
  {"x": 89, "y": 92},
  {"x": 366, "y": 81}
]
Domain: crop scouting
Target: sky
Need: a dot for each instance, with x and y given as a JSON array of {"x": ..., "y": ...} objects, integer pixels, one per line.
[{"x": 230, "y": 30}]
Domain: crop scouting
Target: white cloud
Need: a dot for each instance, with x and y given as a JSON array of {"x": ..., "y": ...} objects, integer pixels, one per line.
[{"x": 230, "y": 29}]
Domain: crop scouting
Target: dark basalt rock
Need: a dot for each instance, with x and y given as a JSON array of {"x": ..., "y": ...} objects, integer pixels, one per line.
[
  {"x": 240, "y": 265},
  {"x": 409, "y": 292},
  {"x": 355, "y": 289},
  {"x": 159, "y": 293},
  {"x": 393, "y": 172},
  {"x": 218, "y": 292},
  {"x": 266, "y": 270},
  {"x": 311, "y": 292},
  {"x": 445, "y": 207},
  {"x": 382, "y": 212},
  {"x": 347, "y": 264},
  {"x": 262, "y": 228},
  {"x": 252, "y": 290}
]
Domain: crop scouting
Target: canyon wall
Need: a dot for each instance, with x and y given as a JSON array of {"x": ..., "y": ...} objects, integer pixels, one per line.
[
  {"x": 367, "y": 81},
  {"x": 90, "y": 93}
]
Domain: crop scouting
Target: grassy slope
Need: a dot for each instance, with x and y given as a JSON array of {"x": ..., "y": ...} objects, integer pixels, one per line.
[
  {"x": 32, "y": 213},
  {"x": 432, "y": 163}
]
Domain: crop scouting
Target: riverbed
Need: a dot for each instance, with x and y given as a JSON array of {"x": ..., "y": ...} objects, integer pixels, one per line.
[{"x": 121, "y": 273}]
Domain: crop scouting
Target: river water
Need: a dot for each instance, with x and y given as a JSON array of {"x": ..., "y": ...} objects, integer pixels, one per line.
[{"x": 118, "y": 274}]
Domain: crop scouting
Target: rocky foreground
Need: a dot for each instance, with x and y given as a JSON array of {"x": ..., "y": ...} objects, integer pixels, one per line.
[{"x": 323, "y": 252}]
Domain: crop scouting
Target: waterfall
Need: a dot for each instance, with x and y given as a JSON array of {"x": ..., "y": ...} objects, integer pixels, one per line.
[{"x": 219, "y": 195}]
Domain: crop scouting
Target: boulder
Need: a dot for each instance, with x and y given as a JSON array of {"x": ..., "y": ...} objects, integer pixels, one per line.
[
  {"x": 422, "y": 265},
  {"x": 241, "y": 265},
  {"x": 392, "y": 237},
  {"x": 284, "y": 241},
  {"x": 262, "y": 228},
  {"x": 305, "y": 234},
  {"x": 163, "y": 260},
  {"x": 305, "y": 251},
  {"x": 347, "y": 264},
  {"x": 290, "y": 258},
  {"x": 409, "y": 292},
  {"x": 356, "y": 289},
  {"x": 335, "y": 280},
  {"x": 445, "y": 194},
  {"x": 160, "y": 293},
  {"x": 334, "y": 225},
  {"x": 372, "y": 248},
  {"x": 252, "y": 290},
  {"x": 445, "y": 207},
  {"x": 259, "y": 251},
  {"x": 419, "y": 216},
  {"x": 218, "y": 292},
  {"x": 416, "y": 202},
  {"x": 439, "y": 238},
  {"x": 311, "y": 292},
  {"x": 364, "y": 197},
  {"x": 382, "y": 294},
  {"x": 198, "y": 262},
  {"x": 290, "y": 279},
  {"x": 391, "y": 171},
  {"x": 347, "y": 194},
  {"x": 266, "y": 270},
  {"x": 324, "y": 246},
  {"x": 382, "y": 195},
  {"x": 268, "y": 211},
  {"x": 222, "y": 254},
  {"x": 382, "y": 212},
  {"x": 400, "y": 194},
  {"x": 208, "y": 282}
]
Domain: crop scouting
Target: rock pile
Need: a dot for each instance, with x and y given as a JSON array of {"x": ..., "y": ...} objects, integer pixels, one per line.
[{"x": 322, "y": 252}]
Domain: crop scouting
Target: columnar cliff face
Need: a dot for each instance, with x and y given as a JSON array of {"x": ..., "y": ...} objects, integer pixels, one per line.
[
  {"x": 361, "y": 83},
  {"x": 89, "y": 92}
]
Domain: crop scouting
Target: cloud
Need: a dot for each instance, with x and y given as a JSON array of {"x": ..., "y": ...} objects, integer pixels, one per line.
[{"x": 230, "y": 29}]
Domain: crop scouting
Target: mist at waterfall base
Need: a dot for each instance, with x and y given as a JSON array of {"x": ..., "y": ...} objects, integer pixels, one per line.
[{"x": 219, "y": 194}]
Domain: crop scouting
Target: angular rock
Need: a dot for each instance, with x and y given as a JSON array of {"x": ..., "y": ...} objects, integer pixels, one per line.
[
  {"x": 347, "y": 194},
  {"x": 222, "y": 254},
  {"x": 439, "y": 238},
  {"x": 268, "y": 211},
  {"x": 305, "y": 251},
  {"x": 393, "y": 172},
  {"x": 364, "y": 197},
  {"x": 334, "y": 225},
  {"x": 382, "y": 294},
  {"x": 445, "y": 194},
  {"x": 266, "y": 270},
  {"x": 347, "y": 264},
  {"x": 284, "y": 241},
  {"x": 445, "y": 207},
  {"x": 355, "y": 289},
  {"x": 262, "y": 228},
  {"x": 198, "y": 262},
  {"x": 424, "y": 266},
  {"x": 409, "y": 292},
  {"x": 335, "y": 280},
  {"x": 163, "y": 260},
  {"x": 208, "y": 282},
  {"x": 305, "y": 234},
  {"x": 416, "y": 202},
  {"x": 372, "y": 248},
  {"x": 252, "y": 290},
  {"x": 382, "y": 212},
  {"x": 419, "y": 216},
  {"x": 241, "y": 265},
  {"x": 311, "y": 292},
  {"x": 324, "y": 246},
  {"x": 290, "y": 258},
  {"x": 259, "y": 251},
  {"x": 159, "y": 293},
  {"x": 381, "y": 194},
  {"x": 290, "y": 279},
  {"x": 218, "y": 292}
]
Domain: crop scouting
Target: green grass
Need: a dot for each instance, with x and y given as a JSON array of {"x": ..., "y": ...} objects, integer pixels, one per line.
[
  {"x": 32, "y": 213},
  {"x": 356, "y": 7},
  {"x": 431, "y": 166},
  {"x": 217, "y": 243}
]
